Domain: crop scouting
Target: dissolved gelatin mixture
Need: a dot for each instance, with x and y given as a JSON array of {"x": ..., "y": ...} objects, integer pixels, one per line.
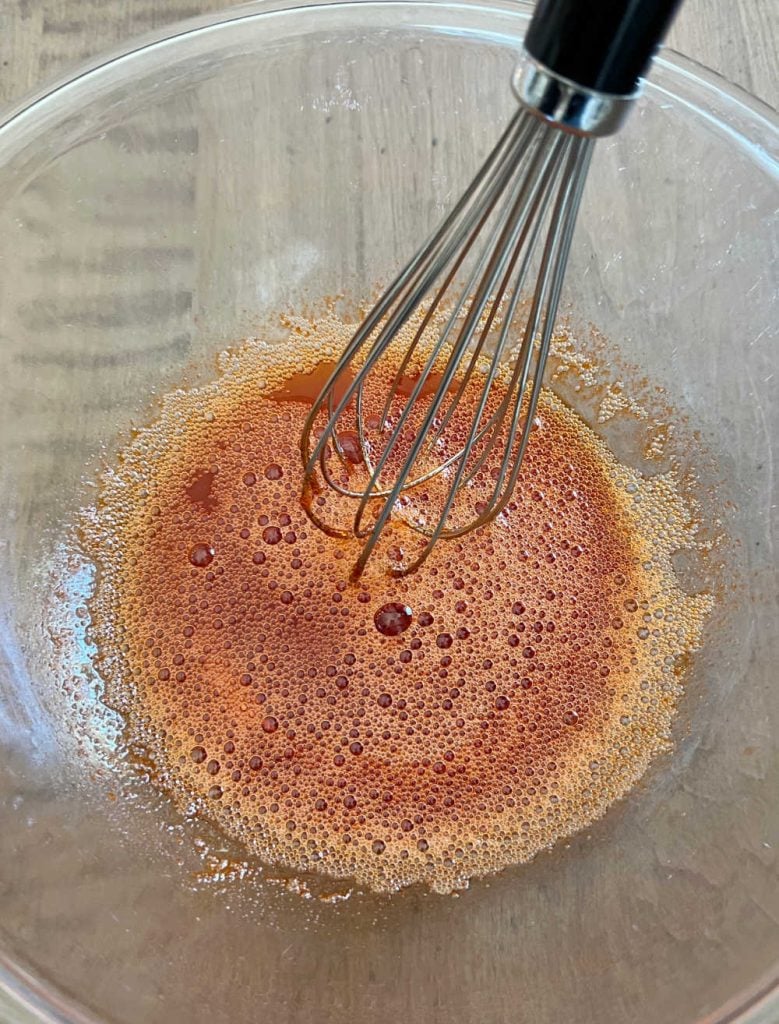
[{"x": 428, "y": 728}]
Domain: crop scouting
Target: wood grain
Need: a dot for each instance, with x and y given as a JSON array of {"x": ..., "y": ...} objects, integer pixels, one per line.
[
  {"x": 40, "y": 39},
  {"x": 105, "y": 235}
]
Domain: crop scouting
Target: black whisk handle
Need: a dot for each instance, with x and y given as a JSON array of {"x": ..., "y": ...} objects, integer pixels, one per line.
[{"x": 604, "y": 45}]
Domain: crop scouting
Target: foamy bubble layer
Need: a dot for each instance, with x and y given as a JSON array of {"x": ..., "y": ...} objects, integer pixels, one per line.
[{"x": 426, "y": 729}]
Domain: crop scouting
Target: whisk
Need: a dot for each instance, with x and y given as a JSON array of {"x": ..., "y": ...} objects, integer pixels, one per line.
[{"x": 462, "y": 292}]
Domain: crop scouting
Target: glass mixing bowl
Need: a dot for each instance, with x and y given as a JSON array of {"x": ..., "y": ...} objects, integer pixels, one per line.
[{"x": 161, "y": 205}]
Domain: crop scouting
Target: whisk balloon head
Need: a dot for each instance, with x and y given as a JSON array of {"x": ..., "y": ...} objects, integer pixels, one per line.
[{"x": 425, "y": 419}]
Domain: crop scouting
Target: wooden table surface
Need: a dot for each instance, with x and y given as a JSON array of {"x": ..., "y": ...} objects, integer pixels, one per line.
[{"x": 41, "y": 39}]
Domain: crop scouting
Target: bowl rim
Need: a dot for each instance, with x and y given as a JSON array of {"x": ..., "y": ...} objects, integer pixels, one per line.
[
  {"x": 739, "y": 100},
  {"x": 733, "y": 107}
]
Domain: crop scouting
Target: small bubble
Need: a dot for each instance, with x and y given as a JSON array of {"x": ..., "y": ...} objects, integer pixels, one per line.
[
  {"x": 201, "y": 555},
  {"x": 393, "y": 618},
  {"x": 351, "y": 450}
]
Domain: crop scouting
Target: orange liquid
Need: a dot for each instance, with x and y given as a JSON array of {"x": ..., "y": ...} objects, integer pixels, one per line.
[{"x": 426, "y": 728}]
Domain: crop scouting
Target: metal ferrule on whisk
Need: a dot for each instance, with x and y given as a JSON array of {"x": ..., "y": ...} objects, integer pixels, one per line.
[{"x": 569, "y": 106}]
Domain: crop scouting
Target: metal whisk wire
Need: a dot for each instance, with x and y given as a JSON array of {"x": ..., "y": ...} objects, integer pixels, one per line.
[
  {"x": 553, "y": 166},
  {"x": 580, "y": 77}
]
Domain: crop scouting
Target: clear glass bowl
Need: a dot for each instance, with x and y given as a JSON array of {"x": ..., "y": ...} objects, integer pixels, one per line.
[{"x": 159, "y": 206}]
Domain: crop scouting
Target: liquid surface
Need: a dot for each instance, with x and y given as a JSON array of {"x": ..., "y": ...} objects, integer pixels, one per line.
[{"x": 423, "y": 729}]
